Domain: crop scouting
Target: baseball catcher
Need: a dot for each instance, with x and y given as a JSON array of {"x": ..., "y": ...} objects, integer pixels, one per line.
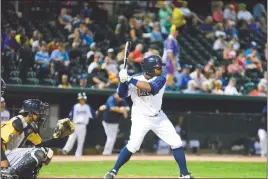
[{"x": 18, "y": 162}]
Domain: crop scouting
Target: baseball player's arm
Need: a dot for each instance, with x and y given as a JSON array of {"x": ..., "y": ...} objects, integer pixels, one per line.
[
  {"x": 153, "y": 87},
  {"x": 110, "y": 104},
  {"x": 122, "y": 90}
]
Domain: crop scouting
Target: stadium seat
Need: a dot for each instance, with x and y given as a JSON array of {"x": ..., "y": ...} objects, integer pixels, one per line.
[
  {"x": 14, "y": 80},
  {"x": 49, "y": 82},
  {"x": 14, "y": 74},
  {"x": 31, "y": 74},
  {"x": 32, "y": 81}
]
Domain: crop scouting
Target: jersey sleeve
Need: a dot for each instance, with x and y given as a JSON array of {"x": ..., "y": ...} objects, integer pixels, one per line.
[
  {"x": 157, "y": 84},
  {"x": 91, "y": 112},
  {"x": 110, "y": 103},
  {"x": 71, "y": 113}
]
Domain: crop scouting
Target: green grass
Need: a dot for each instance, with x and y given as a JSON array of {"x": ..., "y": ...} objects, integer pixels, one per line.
[{"x": 156, "y": 168}]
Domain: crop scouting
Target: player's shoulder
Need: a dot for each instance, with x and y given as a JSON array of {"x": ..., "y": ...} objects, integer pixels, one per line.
[{"x": 18, "y": 123}]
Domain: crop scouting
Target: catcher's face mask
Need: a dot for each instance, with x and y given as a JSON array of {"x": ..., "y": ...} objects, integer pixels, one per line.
[{"x": 44, "y": 114}]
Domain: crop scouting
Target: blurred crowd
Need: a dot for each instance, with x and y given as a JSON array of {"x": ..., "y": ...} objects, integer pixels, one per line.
[{"x": 80, "y": 61}]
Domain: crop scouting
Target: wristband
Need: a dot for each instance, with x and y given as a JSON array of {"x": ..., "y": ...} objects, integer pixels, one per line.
[{"x": 133, "y": 81}]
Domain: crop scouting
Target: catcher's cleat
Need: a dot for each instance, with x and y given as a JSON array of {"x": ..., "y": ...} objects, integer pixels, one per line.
[
  {"x": 110, "y": 175},
  {"x": 8, "y": 174},
  {"x": 186, "y": 176}
]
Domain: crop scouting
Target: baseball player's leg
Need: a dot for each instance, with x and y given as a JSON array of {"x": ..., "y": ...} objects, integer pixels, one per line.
[
  {"x": 26, "y": 162},
  {"x": 166, "y": 131},
  {"x": 263, "y": 141},
  {"x": 140, "y": 126},
  {"x": 80, "y": 139},
  {"x": 70, "y": 142},
  {"x": 111, "y": 131}
]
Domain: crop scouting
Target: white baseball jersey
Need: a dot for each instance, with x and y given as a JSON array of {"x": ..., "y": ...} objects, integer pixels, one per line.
[
  {"x": 143, "y": 101},
  {"x": 81, "y": 114},
  {"x": 5, "y": 115}
]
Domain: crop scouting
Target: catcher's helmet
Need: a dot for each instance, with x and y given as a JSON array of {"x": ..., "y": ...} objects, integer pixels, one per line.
[
  {"x": 150, "y": 63},
  {"x": 36, "y": 106},
  {"x": 3, "y": 85}
]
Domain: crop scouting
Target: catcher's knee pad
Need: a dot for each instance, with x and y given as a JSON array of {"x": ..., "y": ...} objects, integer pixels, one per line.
[{"x": 48, "y": 155}]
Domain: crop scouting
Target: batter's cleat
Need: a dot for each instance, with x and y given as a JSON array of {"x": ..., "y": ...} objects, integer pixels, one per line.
[
  {"x": 186, "y": 176},
  {"x": 110, "y": 175}
]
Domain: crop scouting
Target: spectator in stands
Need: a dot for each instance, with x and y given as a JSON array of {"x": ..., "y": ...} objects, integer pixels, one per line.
[
  {"x": 206, "y": 87},
  {"x": 86, "y": 11},
  {"x": 156, "y": 35},
  {"x": 4, "y": 113},
  {"x": 135, "y": 31},
  {"x": 235, "y": 68},
  {"x": 178, "y": 17},
  {"x": 229, "y": 12},
  {"x": 76, "y": 38},
  {"x": 264, "y": 80},
  {"x": 230, "y": 89},
  {"x": 207, "y": 27},
  {"x": 110, "y": 62},
  {"x": 253, "y": 57},
  {"x": 163, "y": 13},
  {"x": 86, "y": 35},
  {"x": 151, "y": 51},
  {"x": 254, "y": 26},
  {"x": 260, "y": 91},
  {"x": 243, "y": 13},
  {"x": 42, "y": 58},
  {"x": 34, "y": 37},
  {"x": 241, "y": 59},
  {"x": 21, "y": 34},
  {"x": 198, "y": 76},
  {"x": 92, "y": 65},
  {"x": 183, "y": 78},
  {"x": 229, "y": 53},
  {"x": 191, "y": 88},
  {"x": 220, "y": 43},
  {"x": 10, "y": 42},
  {"x": 135, "y": 57},
  {"x": 121, "y": 29},
  {"x": 38, "y": 43},
  {"x": 259, "y": 14},
  {"x": 218, "y": 14},
  {"x": 219, "y": 76},
  {"x": 99, "y": 77},
  {"x": 92, "y": 52},
  {"x": 189, "y": 16},
  {"x": 65, "y": 19},
  {"x": 171, "y": 55},
  {"x": 53, "y": 45},
  {"x": 217, "y": 87},
  {"x": 209, "y": 69},
  {"x": 60, "y": 58},
  {"x": 83, "y": 81},
  {"x": 120, "y": 55},
  {"x": 64, "y": 82}
]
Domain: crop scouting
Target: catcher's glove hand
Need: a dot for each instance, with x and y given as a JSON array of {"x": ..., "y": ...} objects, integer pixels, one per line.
[{"x": 65, "y": 127}]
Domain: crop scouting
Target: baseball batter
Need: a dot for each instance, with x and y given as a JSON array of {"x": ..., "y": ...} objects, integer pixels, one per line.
[
  {"x": 81, "y": 114},
  {"x": 146, "y": 91}
]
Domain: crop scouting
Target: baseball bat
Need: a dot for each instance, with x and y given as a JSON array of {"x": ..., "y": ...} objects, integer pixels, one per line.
[{"x": 127, "y": 50}]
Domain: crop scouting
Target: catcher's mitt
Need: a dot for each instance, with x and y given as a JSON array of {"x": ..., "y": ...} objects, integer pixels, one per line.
[{"x": 65, "y": 127}]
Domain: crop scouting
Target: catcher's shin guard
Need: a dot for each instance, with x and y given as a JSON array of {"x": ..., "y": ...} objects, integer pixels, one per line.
[{"x": 29, "y": 162}]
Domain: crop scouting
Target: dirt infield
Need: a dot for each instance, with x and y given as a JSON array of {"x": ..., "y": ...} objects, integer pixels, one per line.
[{"x": 208, "y": 158}]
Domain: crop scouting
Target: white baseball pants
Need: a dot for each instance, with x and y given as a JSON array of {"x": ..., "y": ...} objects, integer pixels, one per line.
[
  {"x": 79, "y": 135},
  {"x": 160, "y": 125},
  {"x": 263, "y": 141},
  {"x": 111, "y": 130}
]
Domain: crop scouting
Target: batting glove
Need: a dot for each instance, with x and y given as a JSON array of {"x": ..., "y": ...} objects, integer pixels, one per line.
[{"x": 123, "y": 76}]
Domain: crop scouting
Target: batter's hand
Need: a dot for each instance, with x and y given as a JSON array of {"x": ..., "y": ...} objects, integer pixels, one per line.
[
  {"x": 123, "y": 76},
  {"x": 65, "y": 127}
]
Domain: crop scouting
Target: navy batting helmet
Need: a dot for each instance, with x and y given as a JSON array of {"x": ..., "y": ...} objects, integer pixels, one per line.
[
  {"x": 36, "y": 106},
  {"x": 150, "y": 63}
]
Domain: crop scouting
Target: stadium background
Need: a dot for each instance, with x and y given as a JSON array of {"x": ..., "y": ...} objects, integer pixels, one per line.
[{"x": 218, "y": 121}]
